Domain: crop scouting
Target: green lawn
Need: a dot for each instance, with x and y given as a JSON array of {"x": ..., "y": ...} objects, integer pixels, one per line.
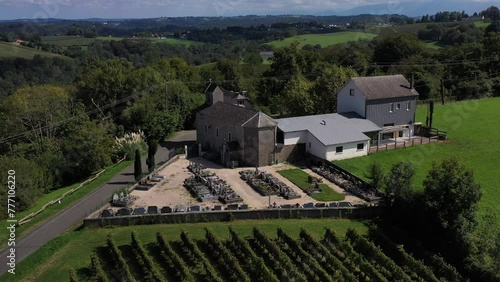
[
  {"x": 434, "y": 44},
  {"x": 300, "y": 178},
  {"x": 52, "y": 261},
  {"x": 65, "y": 203},
  {"x": 482, "y": 24},
  {"x": 473, "y": 132},
  {"x": 8, "y": 50},
  {"x": 322, "y": 39}
]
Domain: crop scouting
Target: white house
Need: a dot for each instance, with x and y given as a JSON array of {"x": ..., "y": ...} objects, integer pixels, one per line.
[{"x": 328, "y": 136}]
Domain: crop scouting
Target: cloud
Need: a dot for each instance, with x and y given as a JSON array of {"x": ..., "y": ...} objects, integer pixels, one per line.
[{"x": 172, "y": 8}]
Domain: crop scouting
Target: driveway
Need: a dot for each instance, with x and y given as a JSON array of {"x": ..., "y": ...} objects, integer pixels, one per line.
[{"x": 72, "y": 215}]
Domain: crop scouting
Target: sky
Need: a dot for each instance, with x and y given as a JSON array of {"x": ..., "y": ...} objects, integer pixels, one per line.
[{"x": 81, "y": 9}]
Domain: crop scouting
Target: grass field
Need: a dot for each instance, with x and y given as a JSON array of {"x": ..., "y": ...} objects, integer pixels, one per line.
[
  {"x": 300, "y": 178},
  {"x": 68, "y": 40},
  {"x": 52, "y": 261},
  {"x": 473, "y": 137},
  {"x": 434, "y": 44},
  {"x": 396, "y": 29},
  {"x": 322, "y": 39},
  {"x": 65, "y": 203},
  {"x": 8, "y": 50},
  {"x": 482, "y": 24}
]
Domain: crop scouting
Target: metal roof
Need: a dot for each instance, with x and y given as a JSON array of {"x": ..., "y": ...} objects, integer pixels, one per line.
[
  {"x": 330, "y": 129},
  {"x": 387, "y": 86}
]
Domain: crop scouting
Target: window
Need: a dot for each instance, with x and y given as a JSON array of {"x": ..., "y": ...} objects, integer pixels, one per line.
[
  {"x": 229, "y": 136},
  {"x": 206, "y": 128},
  {"x": 351, "y": 92},
  {"x": 361, "y": 146},
  {"x": 398, "y": 106},
  {"x": 408, "y": 105},
  {"x": 391, "y": 108},
  {"x": 240, "y": 102},
  {"x": 339, "y": 149},
  {"x": 309, "y": 145},
  {"x": 217, "y": 132}
]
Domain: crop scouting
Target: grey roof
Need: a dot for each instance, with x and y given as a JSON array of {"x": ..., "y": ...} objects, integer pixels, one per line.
[
  {"x": 228, "y": 112},
  {"x": 260, "y": 120},
  {"x": 330, "y": 129},
  {"x": 387, "y": 86}
]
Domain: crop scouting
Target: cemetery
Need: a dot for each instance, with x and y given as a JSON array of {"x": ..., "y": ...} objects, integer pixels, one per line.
[
  {"x": 266, "y": 184},
  {"x": 200, "y": 186},
  {"x": 348, "y": 182},
  {"x": 206, "y": 186}
]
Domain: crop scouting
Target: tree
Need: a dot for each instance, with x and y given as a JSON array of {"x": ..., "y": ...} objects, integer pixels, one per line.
[
  {"x": 229, "y": 71},
  {"x": 73, "y": 276},
  {"x": 398, "y": 183},
  {"x": 137, "y": 165},
  {"x": 493, "y": 27},
  {"x": 296, "y": 100},
  {"x": 325, "y": 88},
  {"x": 376, "y": 175},
  {"x": 37, "y": 110},
  {"x": 451, "y": 198},
  {"x": 394, "y": 48},
  {"x": 31, "y": 181},
  {"x": 87, "y": 147},
  {"x": 152, "y": 148},
  {"x": 102, "y": 83}
]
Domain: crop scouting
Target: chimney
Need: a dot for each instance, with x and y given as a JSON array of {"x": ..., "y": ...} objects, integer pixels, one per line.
[{"x": 412, "y": 81}]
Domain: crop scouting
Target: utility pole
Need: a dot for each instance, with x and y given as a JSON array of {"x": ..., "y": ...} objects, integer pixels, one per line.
[
  {"x": 166, "y": 96},
  {"x": 442, "y": 91}
]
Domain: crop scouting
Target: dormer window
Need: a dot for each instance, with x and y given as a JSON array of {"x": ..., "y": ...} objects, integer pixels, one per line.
[
  {"x": 351, "y": 92},
  {"x": 408, "y": 105},
  {"x": 391, "y": 109},
  {"x": 398, "y": 106}
]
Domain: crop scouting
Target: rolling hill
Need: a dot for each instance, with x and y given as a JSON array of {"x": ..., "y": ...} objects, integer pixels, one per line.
[
  {"x": 8, "y": 50},
  {"x": 323, "y": 39}
]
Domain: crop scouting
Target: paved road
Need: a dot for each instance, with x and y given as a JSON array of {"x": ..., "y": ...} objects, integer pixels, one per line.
[{"x": 69, "y": 217}]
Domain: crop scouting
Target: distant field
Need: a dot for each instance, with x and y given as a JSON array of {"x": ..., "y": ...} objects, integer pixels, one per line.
[
  {"x": 396, "y": 29},
  {"x": 52, "y": 261},
  {"x": 176, "y": 41},
  {"x": 433, "y": 45},
  {"x": 66, "y": 40},
  {"x": 8, "y": 50},
  {"x": 482, "y": 24},
  {"x": 473, "y": 138},
  {"x": 322, "y": 39}
]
